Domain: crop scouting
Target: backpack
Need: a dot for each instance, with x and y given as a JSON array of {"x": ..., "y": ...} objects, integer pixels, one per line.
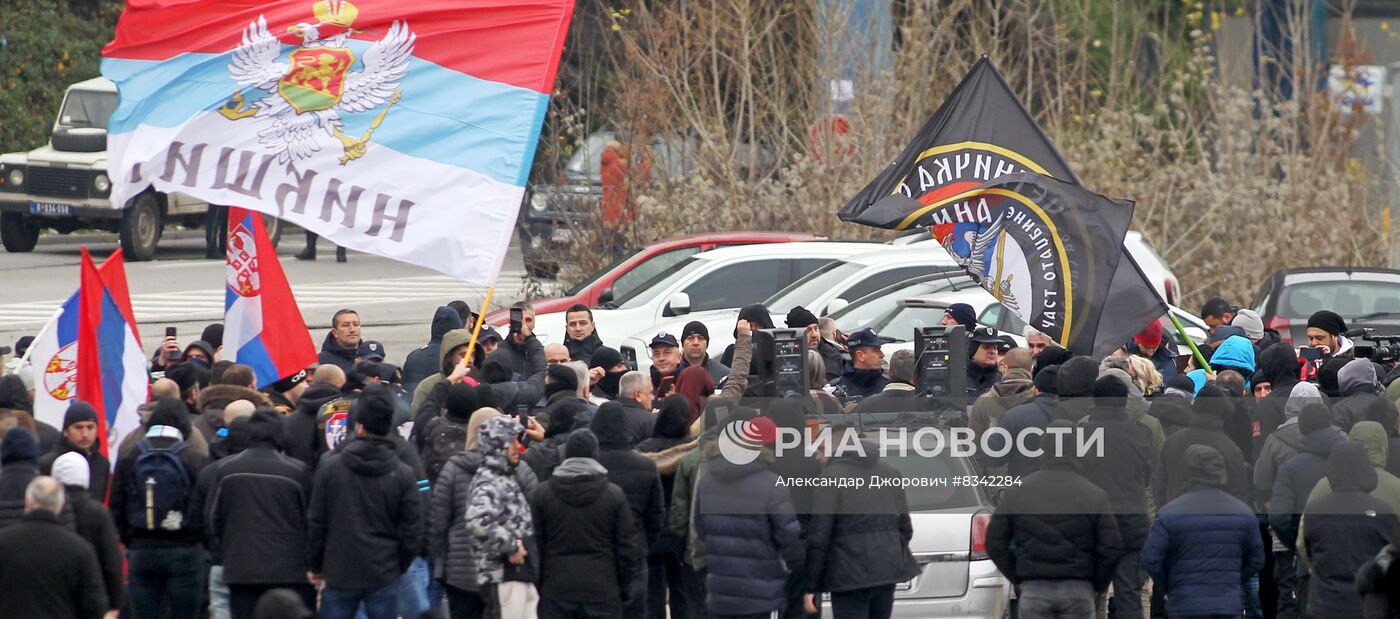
[
  {"x": 445, "y": 438},
  {"x": 158, "y": 488}
]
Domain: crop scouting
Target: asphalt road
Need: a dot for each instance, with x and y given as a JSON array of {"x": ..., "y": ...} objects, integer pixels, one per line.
[{"x": 182, "y": 289}]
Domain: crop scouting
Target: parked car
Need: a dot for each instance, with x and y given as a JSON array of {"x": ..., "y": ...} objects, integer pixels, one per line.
[
  {"x": 1153, "y": 267},
  {"x": 957, "y": 578},
  {"x": 996, "y": 316},
  {"x": 822, "y": 291},
  {"x": 1364, "y": 297},
  {"x": 622, "y": 276},
  {"x": 551, "y": 210},
  {"x": 724, "y": 278},
  {"x": 63, "y": 185}
]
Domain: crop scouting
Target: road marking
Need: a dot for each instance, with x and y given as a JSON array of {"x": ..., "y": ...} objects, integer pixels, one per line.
[{"x": 208, "y": 303}]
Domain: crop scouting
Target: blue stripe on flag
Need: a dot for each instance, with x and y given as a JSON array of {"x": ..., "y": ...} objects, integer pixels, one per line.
[
  {"x": 229, "y": 297},
  {"x": 444, "y": 116},
  {"x": 254, "y": 355},
  {"x": 111, "y": 344},
  {"x": 68, "y": 322}
]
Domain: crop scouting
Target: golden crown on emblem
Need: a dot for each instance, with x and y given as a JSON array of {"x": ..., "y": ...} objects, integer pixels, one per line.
[{"x": 336, "y": 12}]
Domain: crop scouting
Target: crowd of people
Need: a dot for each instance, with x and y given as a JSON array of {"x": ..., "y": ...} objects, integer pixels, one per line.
[{"x": 500, "y": 477}]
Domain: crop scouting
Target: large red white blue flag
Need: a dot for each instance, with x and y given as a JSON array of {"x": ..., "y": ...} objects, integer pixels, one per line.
[
  {"x": 263, "y": 329},
  {"x": 405, "y": 129},
  {"x": 91, "y": 350}
]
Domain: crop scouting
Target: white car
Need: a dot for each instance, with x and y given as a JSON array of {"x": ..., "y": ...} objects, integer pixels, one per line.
[
  {"x": 1153, "y": 267},
  {"x": 724, "y": 278},
  {"x": 822, "y": 291}
]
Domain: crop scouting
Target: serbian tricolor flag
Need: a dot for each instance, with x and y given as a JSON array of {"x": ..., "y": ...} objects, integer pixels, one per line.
[
  {"x": 405, "y": 129},
  {"x": 263, "y": 329},
  {"x": 92, "y": 351}
]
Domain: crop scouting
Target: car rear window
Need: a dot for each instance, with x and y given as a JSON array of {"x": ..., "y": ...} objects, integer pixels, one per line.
[
  {"x": 940, "y": 467},
  {"x": 1352, "y": 299}
]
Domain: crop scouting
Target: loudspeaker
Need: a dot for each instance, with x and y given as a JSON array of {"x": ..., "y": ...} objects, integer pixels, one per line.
[
  {"x": 789, "y": 367},
  {"x": 941, "y": 361}
]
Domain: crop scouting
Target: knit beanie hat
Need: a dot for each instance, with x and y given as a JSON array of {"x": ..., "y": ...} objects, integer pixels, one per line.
[
  {"x": 1313, "y": 418},
  {"x": 582, "y": 443},
  {"x": 19, "y": 446},
  {"x": 71, "y": 469},
  {"x": 79, "y": 411}
]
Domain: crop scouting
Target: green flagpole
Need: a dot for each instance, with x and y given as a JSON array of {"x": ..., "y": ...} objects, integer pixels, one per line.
[{"x": 1195, "y": 352}]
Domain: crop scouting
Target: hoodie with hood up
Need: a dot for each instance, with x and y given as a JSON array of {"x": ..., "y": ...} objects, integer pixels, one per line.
[
  {"x": 425, "y": 361},
  {"x": 303, "y": 439},
  {"x": 498, "y": 516},
  {"x": 1342, "y": 531},
  {"x": 590, "y": 545},
  {"x": 1387, "y": 488},
  {"x": 1208, "y": 414},
  {"x": 1285, "y": 441},
  {"x": 449, "y": 542},
  {"x": 633, "y": 472},
  {"x": 364, "y": 525},
  {"x": 450, "y": 340},
  {"x": 1278, "y": 364},
  {"x": 1359, "y": 387},
  {"x": 1296, "y": 480}
]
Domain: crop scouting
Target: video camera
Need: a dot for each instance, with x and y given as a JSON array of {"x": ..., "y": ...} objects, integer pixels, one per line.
[{"x": 1384, "y": 348}]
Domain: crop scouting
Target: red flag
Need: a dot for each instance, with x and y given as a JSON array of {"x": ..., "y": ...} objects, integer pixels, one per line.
[
  {"x": 263, "y": 329},
  {"x": 90, "y": 293}
]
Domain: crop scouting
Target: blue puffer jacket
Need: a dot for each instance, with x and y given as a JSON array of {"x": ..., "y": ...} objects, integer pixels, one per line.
[
  {"x": 1203, "y": 546},
  {"x": 1235, "y": 352},
  {"x": 745, "y": 520}
]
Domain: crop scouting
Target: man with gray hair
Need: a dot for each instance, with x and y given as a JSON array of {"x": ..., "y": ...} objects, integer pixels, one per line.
[
  {"x": 1035, "y": 340},
  {"x": 899, "y": 395},
  {"x": 584, "y": 393},
  {"x": 834, "y": 355},
  {"x": 46, "y": 569},
  {"x": 635, "y": 396}
]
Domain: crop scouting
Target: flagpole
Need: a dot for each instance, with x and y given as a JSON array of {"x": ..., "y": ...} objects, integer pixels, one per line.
[
  {"x": 476, "y": 330},
  {"x": 1195, "y": 352}
]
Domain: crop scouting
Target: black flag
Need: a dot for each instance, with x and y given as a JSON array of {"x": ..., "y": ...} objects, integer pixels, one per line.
[{"x": 982, "y": 133}]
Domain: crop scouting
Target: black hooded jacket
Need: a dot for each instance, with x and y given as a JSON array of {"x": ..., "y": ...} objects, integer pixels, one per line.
[
  {"x": 859, "y": 537},
  {"x": 590, "y": 543},
  {"x": 300, "y": 435},
  {"x": 1172, "y": 411},
  {"x": 633, "y": 472},
  {"x": 759, "y": 318},
  {"x": 1343, "y": 530},
  {"x": 334, "y": 354},
  {"x": 94, "y": 523},
  {"x": 99, "y": 468},
  {"x": 1296, "y": 480},
  {"x": 1278, "y": 364},
  {"x": 365, "y": 521},
  {"x": 1207, "y": 428},
  {"x": 423, "y": 362},
  {"x": 1124, "y": 471}
]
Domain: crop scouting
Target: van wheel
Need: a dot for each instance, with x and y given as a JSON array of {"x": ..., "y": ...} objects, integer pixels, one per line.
[
  {"x": 141, "y": 227},
  {"x": 18, "y": 234},
  {"x": 274, "y": 228}
]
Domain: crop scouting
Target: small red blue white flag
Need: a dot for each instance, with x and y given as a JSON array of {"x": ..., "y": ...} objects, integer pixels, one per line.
[{"x": 263, "y": 329}]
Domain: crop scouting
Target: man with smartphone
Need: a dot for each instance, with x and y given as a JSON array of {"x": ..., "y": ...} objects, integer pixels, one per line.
[
  {"x": 520, "y": 339},
  {"x": 1325, "y": 329}
]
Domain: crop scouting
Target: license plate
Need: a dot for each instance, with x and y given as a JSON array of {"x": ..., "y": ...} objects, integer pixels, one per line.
[
  {"x": 559, "y": 235},
  {"x": 50, "y": 208}
]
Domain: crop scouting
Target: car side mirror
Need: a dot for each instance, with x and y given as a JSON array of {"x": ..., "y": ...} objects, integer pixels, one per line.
[
  {"x": 606, "y": 296},
  {"x": 835, "y": 305},
  {"x": 680, "y": 304}
]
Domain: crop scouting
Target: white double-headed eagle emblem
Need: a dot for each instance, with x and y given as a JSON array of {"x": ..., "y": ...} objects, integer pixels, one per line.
[
  {"x": 977, "y": 261},
  {"x": 309, "y": 90}
]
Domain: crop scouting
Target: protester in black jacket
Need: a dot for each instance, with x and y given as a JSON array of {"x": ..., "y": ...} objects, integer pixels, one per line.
[
  {"x": 302, "y": 439},
  {"x": 636, "y": 475},
  {"x": 92, "y": 521},
  {"x": 1056, "y": 537},
  {"x": 1342, "y": 531},
  {"x": 1172, "y": 406},
  {"x": 670, "y": 441},
  {"x": 1378, "y": 582},
  {"x": 254, "y": 510},
  {"x": 1124, "y": 472},
  {"x": 80, "y": 435},
  {"x": 1076, "y": 389},
  {"x": 1359, "y": 387},
  {"x": 636, "y": 398},
  {"x": 543, "y": 456},
  {"x": 1279, "y": 366},
  {"x": 587, "y": 536},
  {"x": 1037, "y": 413},
  {"x": 858, "y": 538},
  {"x": 1207, "y": 422},
  {"x": 423, "y": 362},
  {"x": 46, "y": 570},
  {"x": 19, "y": 453},
  {"x": 164, "y": 562},
  {"x": 1300, "y": 474},
  {"x": 365, "y": 518}
]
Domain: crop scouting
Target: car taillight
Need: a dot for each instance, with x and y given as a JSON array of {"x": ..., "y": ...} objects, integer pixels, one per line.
[
  {"x": 1285, "y": 330},
  {"x": 1170, "y": 287},
  {"x": 980, "y": 521}
]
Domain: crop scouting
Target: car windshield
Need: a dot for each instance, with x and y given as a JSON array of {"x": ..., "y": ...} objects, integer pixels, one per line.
[
  {"x": 899, "y": 325},
  {"x": 658, "y": 284},
  {"x": 592, "y": 279},
  {"x": 1352, "y": 299},
  {"x": 86, "y": 109},
  {"x": 864, "y": 311},
  {"x": 585, "y": 166},
  {"x": 914, "y": 465},
  {"x": 805, "y": 291}
]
